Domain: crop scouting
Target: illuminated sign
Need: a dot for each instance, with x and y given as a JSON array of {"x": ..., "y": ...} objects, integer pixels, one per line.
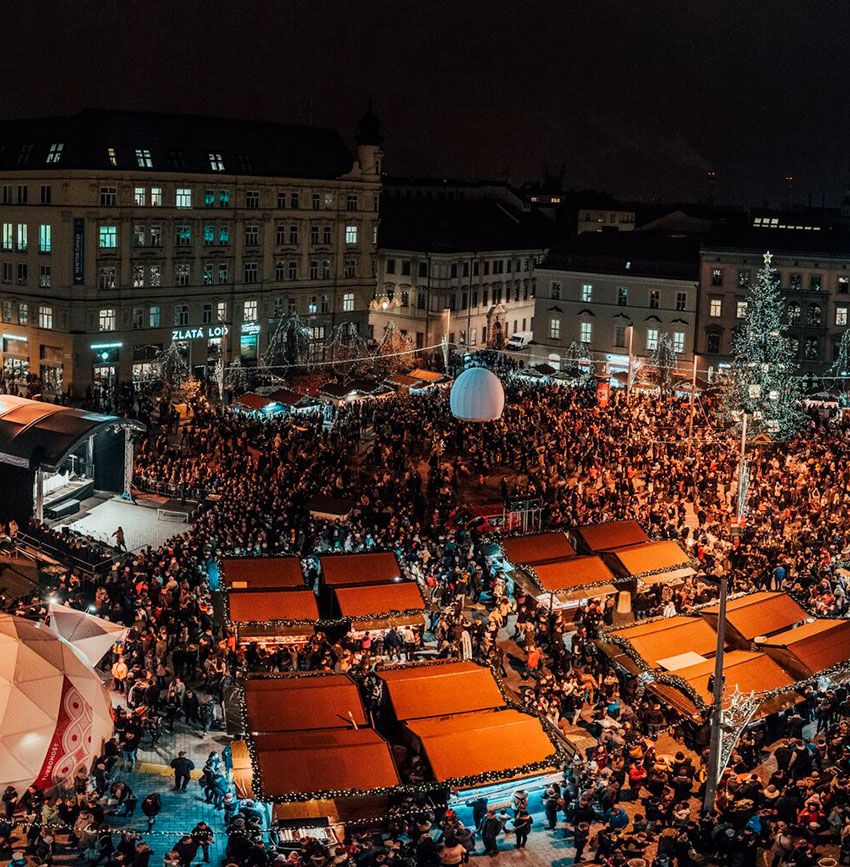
[
  {"x": 107, "y": 345},
  {"x": 250, "y": 327},
  {"x": 79, "y": 251},
  {"x": 209, "y": 332},
  {"x": 14, "y": 337}
]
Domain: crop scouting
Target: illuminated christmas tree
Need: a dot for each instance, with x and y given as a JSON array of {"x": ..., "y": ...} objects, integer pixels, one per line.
[
  {"x": 763, "y": 381},
  {"x": 663, "y": 363}
]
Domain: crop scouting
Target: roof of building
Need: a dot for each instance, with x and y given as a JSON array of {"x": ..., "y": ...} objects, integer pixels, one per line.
[
  {"x": 537, "y": 548},
  {"x": 369, "y": 601},
  {"x": 472, "y": 226},
  {"x": 760, "y": 613},
  {"x": 380, "y": 567},
  {"x": 34, "y": 433},
  {"x": 612, "y": 534},
  {"x": 251, "y": 573},
  {"x": 750, "y": 672},
  {"x": 572, "y": 573},
  {"x": 417, "y": 691},
  {"x": 781, "y": 242},
  {"x": 175, "y": 142},
  {"x": 486, "y": 741},
  {"x": 637, "y": 560},
  {"x": 258, "y": 606},
  {"x": 818, "y": 645},
  {"x": 638, "y": 254},
  {"x": 284, "y": 704},
  {"x": 670, "y": 636}
]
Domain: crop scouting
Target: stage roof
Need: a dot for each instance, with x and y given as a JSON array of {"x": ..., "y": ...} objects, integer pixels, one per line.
[
  {"x": 373, "y": 599},
  {"x": 278, "y": 704},
  {"x": 323, "y": 761},
  {"x": 668, "y": 637},
  {"x": 760, "y": 613},
  {"x": 257, "y": 606},
  {"x": 537, "y": 548},
  {"x": 477, "y": 743},
  {"x": 572, "y": 573},
  {"x": 817, "y": 645},
  {"x": 34, "y": 433},
  {"x": 351, "y": 569},
  {"x": 418, "y": 691},
  {"x": 614, "y": 534},
  {"x": 269, "y": 573}
]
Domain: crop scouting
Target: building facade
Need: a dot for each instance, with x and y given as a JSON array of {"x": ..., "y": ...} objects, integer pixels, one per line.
[
  {"x": 814, "y": 276},
  {"x": 123, "y": 233},
  {"x": 462, "y": 268},
  {"x": 612, "y": 291}
]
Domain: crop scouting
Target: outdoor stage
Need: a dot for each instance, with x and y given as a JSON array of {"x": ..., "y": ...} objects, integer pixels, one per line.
[{"x": 143, "y": 524}]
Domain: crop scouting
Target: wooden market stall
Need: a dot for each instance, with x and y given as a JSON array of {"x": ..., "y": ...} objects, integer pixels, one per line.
[
  {"x": 377, "y": 607},
  {"x": 650, "y": 562},
  {"x": 756, "y": 614},
  {"x": 254, "y": 573},
  {"x": 272, "y": 616},
  {"x": 810, "y": 648},
  {"x": 535, "y": 548},
  {"x": 345, "y": 570},
  {"x": 594, "y": 538}
]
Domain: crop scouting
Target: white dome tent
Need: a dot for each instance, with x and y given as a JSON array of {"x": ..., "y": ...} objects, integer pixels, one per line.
[
  {"x": 92, "y": 636},
  {"x": 477, "y": 395},
  {"x": 55, "y": 712}
]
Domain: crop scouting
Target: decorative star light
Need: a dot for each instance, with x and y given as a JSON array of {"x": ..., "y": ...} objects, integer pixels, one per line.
[{"x": 768, "y": 258}]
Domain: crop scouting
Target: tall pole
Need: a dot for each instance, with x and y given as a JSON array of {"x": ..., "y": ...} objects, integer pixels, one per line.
[
  {"x": 693, "y": 405},
  {"x": 631, "y": 357},
  {"x": 741, "y": 470},
  {"x": 717, "y": 703}
]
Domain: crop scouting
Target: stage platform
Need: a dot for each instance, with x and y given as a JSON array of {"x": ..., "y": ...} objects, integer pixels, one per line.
[{"x": 142, "y": 523}]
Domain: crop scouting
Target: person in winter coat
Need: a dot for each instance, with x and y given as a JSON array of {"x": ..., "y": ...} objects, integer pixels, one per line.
[
  {"x": 491, "y": 827},
  {"x": 151, "y": 808},
  {"x": 202, "y": 834}
]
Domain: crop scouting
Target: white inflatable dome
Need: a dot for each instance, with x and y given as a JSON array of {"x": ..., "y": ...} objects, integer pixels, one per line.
[
  {"x": 477, "y": 395},
  {"x": 55, "y": 712}
]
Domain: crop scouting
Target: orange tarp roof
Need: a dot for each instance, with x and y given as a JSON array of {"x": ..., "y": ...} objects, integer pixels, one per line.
[
  {"x": 566, "y": 574},
  {"x": 614, "y": 534},
  {"x": 748, "y": 671},
  {"x": 277, "y": 704},
  {"x": 670, "y": 636},
  {"x": 253, "y": 401},
  {"x": 760, "y": 613},
  {"x": 249, "y": 606},
  {"x": 324, "y": 761},
  {"x": 817, "y": 645},
  {"x": 365, "y": 602},
  {"x": 267, "y": 572},
  {"x": 475, "y": 743},
  {"x": 427, "y": 375},
  {"x": 636, "y": 559},
  {"x": 436, "y": 690},
  {"x": 537, "y": 548},
  {"x": 377, "y": 568}
]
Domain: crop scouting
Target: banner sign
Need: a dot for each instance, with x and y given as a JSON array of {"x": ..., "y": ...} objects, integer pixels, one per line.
[{"x": 79, "y": 248}]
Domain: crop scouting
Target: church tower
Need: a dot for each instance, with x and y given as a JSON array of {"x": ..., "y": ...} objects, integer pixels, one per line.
[{"x": 369, "y": 153}]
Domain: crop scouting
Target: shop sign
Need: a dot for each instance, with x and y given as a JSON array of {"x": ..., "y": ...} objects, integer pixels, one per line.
[{"x": 208, "y": 331}]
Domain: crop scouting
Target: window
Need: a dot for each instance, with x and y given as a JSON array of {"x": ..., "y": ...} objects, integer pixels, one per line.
[
  {"x": 207, "y": 314},
  {"x": 45, "y": 316},
  {"x": 23, "y": 191},
  {"x": 45, "y": 194},
  {"x": 678, "y": 341},
  {"x": 106, "y": 319},
  {"x": 841, "y": 315},
  {"x": 156, "y": 197},
  {"x": 208, "y": 274},
  {"x": 350, "y": 234},
  {"x": 209, "y": 198},
  {"x": 292, "y": 270},
  {"x": 713, "y": 342},
  {"x": 216, "y": 163},
  {"x": 223, "y": 235},
  {"x": 716, "y": 276},
  {"x": 251, "y": 272},
  {"x": 181, "y": 314},
  {"x": 182, "y": 274},
  {"x": 45, "y": 244},
  {"x": 349, "y": 268},
  {"x": 183, "y": 197},
  {"x": 586, "y": 332},
  {"x": 587, "y": 292},
  {"x": 295, "y": 200},
  {"x": 252, "y": 199},
  {"x": 622, "y": 296},
  {"x": 654, "y": 299},
  {"x": 156, "y": 275},
  {"x": 810, "y": 349},
  {"x": 252, "y": 235},
  {"x": 138, "y": 276},
  {"x": 815, "y": 282},
  {"x": 390, "y": 268},
  {"x": 743, "y": 279},
  {"x": 221, "y": 311},
  {"x": 651, "y": 339},
  {"x": 184, "y": 236},
  {"x": 324, "y": 305},
  {"x": 348, "y": 302},
  {"x": 351, "y": 202},
  {"x": 138, "y": 318},
  {"x": 294, "y": 234},
  {"x": 317, "y": 332},
  {"x": 681, "y": 300},
  {"x": 554, "y": 329},
  {"x": 154, "y": 317},
  {"x": 108, "y": 197},
  {"x": 423, "y": 269},
  {"x": 280, "y": 270},
  {"x": 281, "y": 199},
  {"x": 8, "y": 236},
  {"x": 23, "y": 275},
  {"x": 7, "y": 311},
  {"x": 249, "y": 311},
  {"x": 280, "y": 235},
  {"x": 619, "y": 335},
  {"x": 7, "y": 194},
  {"x": 22, "y": 237},
  {"x": 421, "y": 300},
  {"x": 209, "y": 234},
  {"x": 314, "y": 235},
  {"x": 223, "y": 273},
  {"x": 814, "y": 314},
  {"x": 55, "y": 153},
  {"x": 741, "y": 310},
  {"x": 155, "y": 235},
  {"x": 715, "y": 307},
  {"x": 7, "y": 272},
  {"x": 326, "y": 235},
  {"x": 405, "y": 299},
  {"x": 795, "y": 281},
  {"x": 23, "y": 313},
  {"x": 44, "y": 276},
  {"x": 143, "y": 158},
  {"x": 112, "y": 156},
  {"x": 140, "y": 196},
  {"x": 794, "y": 311},
  {"x": 108, "y": 237},
  {"x": 554, "y": 289},
  {"x": 844, "y": 285},
  {"x": 107, "y": 277},
  {"x": 312, "y": 307},
  {"x": 25, "y": 154},
  {"x": 317, "y": 201}
]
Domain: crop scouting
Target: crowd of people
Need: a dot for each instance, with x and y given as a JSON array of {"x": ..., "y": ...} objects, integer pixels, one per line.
[{"x": 407, "y": 465}]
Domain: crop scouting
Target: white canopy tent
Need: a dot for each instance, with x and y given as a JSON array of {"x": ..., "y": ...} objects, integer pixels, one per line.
[{"x": 91, "y": 635}]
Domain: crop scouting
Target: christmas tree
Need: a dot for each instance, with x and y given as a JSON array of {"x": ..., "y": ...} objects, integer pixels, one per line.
[
  {"x": 173, "y": 369},
  {"x": 840, "y": 368},
  {"x": 663, "y": 364},
  {"x": 578, "y": 363},
  {"x": 289, "y": 343},
  {"x": 763, "y": 381}
]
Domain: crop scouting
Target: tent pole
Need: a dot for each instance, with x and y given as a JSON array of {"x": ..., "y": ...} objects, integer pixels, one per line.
[{"x": 39, "y": 494}]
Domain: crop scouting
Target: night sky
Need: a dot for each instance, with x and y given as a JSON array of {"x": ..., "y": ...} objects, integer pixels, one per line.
[{"x": 638, "y": 98}]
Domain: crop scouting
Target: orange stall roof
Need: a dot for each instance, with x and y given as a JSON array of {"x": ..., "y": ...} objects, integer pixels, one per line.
[
  {"x": 614, "y": 534},
  {"x": 639, "y": 559},
  {"x": 537, "y": 548},
  {"x": 437, "y": 690},
  {"x": 567, "y": 574},
  {"x": 257, "y": 606},
  {"x": 270, "y": 573},
  {"x": 750, "y": 672},
  {"x": 670, "y": 636},
  {"x": 367, "y": 601},
  {"x": 818, "y": 645},
  {"x": 339, "y": 570},
  {"x": 760, "y": 613}
]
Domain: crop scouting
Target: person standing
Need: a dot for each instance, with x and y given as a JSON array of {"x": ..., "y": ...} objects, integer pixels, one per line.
[
  {"x": 552, "y": 803},
  {"x": 183, "y": 767},
  {"x": 120, "y": 542},
  {"x": 522, "y": 826},
  {"x": 151, "y": 808},
  {"x": 202, "y": 834},
  {"x": 580, "y": 838},
  {"x": 491, "y": 827}
]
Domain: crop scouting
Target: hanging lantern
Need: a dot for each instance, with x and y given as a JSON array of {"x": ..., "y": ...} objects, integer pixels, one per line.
[{"x": 477, "y": 395}]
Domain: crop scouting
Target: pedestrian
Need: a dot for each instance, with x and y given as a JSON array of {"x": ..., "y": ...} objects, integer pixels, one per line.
[
  {"x": 151, "y": 808},
  {"x": 580, "y": 838},
  {"x": 522, "y": 826},
  {"x": 202, "y": 834},
  {"x": 120, "y": 543},
  {"x": 491, "y": 827},
  {"x": 183, "y": 768},
  {"x": 186, "y": 849}
]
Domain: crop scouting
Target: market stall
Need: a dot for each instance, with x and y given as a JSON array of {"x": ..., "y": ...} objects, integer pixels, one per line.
[
  {"x": 272, "y": 617},
  {"x": 614, "y": 534},
  {"x": 756, "y": 614},
  {"x": 348, "y": 570},
  {"x": 535, "y": 548},
  {"x": 255, "y": 573},
  {"x": 377, "y": 607},
  {"x": 650, "y": 562},
  {"x": 567, "y": 584},
  {"x": 811, "y": 647}
]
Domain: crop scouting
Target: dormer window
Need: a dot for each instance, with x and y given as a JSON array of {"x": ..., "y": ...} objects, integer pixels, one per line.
[
  {"x": 112, "y": 156},
  {"x": 143, "y": 158},
  {"x": 55, "y": 152},
  {"x": 216, "y": 162}
]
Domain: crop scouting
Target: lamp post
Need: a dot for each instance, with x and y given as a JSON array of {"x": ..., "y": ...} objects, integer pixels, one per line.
[
  {"x": 631, "y": 357},
  {"x": 693, "y": 406}
]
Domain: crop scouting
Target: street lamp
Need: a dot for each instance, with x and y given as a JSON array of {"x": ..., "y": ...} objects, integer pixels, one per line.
[{"x": 717, "y": 701}]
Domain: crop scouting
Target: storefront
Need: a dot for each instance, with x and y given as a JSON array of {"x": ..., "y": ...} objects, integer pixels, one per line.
[
  {"x": 16, "y": 361},
  {"x": 249, "y": 340},
  {"x": 201, "y": 347},
  {"x": 106, "y": 358},
  {"x": 51, "y": 369},
  {"x": 145, "y": 364}
]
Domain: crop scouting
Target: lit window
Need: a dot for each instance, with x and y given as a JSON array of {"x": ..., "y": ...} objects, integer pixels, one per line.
[
  {"x": 44, "y": 276},
  {"x": 586, "y": 332},
  {"x": 678, "y": 341},
  {"x": 45, "y": 316},
  {"x": 140, "y": 196},
  {"x": 184, "y": 236},
  {"x": 112, "y": 156},
  {"x": 740, "y": 310},
  {"x": 8, "y": 236},
  {"x": 138, "y": 276},
  {"x": 208, "y": 274},
  {"x": 681, "y": 300},
  {"x": 55, "y": 153},
  {"x": 224, "y": 198},
  {"x": 209, "y": 234},
  {"x": 45, "y": 244},
  {"x": 156, "y": 275},
  {"x": 183, "y": 274},
  {"x": 106, "y": 319},
  {"x": 794, "y": 311},
  {"x": 622, "y": 296},
  {"x": 221, "y": 311},
  {"x": 107, "y": 277},
  {"x": 840, "y": 315},
  {"x": 249, "y": 311},
  {"x": 108, "y": 237},
  {"x": 154, "y": 317},
  {"x": 156, "y": 197},
  {"x": 716, "y": 276},
  {"x": 554, "y": 329},
  {"x": 587, "y": 292},
  {"x": 651, "y": 339},
  {"x": 143, "y": 158},
  {"x": 654, "y": 299},
  {"x": 23, "y": 313},
  {"x": 216, "y": 163},
  {"x": 348, "y": 302},
  {"x": 22, "y": 237},
  {"x": 183, "y": 197},
  {"x": 715, "y": 308},
  {"x": 351, "y": 234}
]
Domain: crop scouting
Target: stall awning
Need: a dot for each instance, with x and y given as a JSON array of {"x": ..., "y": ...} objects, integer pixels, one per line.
[
  {"x": 435, "y": 690},
  {"x": 537, "y": 548},
  {"x": 642, "y": 559},
  {"x": 750, "y": 672},
  {"x": 332, "y": 760},
  {"x": 252, "y": 401},
  {"x": 327, "y": 508},
  {"x": 476, "y": 743},
  {"x": 614, "y": 534},
  {"x": 374, "y": 601},
  {"x": 816, "y": 645},
  {"x": 427, "y": 376},
  {"x": 351, "y": 569},
  {"x": 661, "y": 639},
  {"x": 252, "y": 573},
  {"x": 759, "y": 614},
  {"x": 565, "y": 575},
  {"x": 259, "y": 606},
  {"x": 277, "y": 704}
]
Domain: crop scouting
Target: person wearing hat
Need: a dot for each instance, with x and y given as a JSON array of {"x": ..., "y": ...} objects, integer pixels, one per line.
[
  {"x": 151, "y": 808},
  {"x": 580, "y": 837},
  {"x": 491, "y": 827}
]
